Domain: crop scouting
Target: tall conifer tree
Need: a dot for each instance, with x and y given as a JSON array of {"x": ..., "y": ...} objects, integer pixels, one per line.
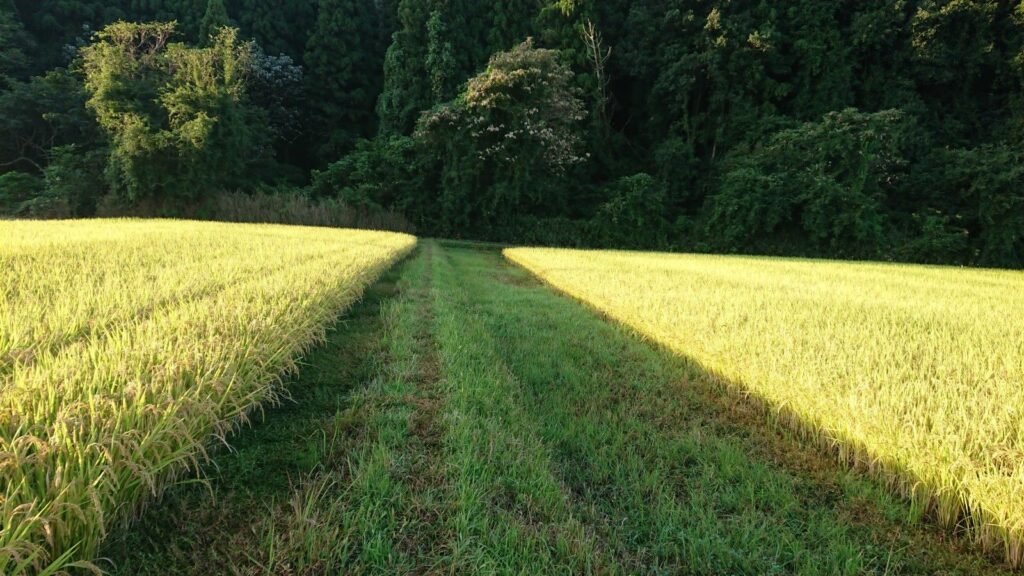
[
  {"x": 343, "y": 74},
  {"x": 215, "y": 18},
  {"x": 407, "y": 87},
  {"x": 512, "y": 23},
  {"x": 278, "y": 26},
  {"x": 13, "y": 44}
]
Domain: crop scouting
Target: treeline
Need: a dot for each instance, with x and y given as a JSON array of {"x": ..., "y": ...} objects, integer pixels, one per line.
[{"x": 877, "y": 129}]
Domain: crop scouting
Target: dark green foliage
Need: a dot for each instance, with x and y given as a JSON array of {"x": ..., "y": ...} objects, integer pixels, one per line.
[
  {"x": 512, "y": 23},
  {"x": 75, "y": 177},
  {"x": 505, "y": 144},
  {"x": 215, "y": 18},
  {"x": 440, "y": 64},
  {"x": 974, "y": 206},
  {"x": 275, "y": 85},
  {"x": 936, "y": 238},
  {"x": 439, "y": 45},
  {"x": 28, "y": 196},
  {"x": 17, "y": 189},
  {"x": 821, "y": 188},
  {"x": 40, "y": 114},
  {"x": 633, "y": 216},
  {"x": 344, "y": 75},
  {"x": 752, "y": 125},
  {"x": 278, "y": 26},
  {"x": 15, "y": 44},
  {"x": 379, "y": 172},
  {"x": 187, "y": 13},
  {"x": 407, "y": 89},
  {"x": 177, "y": 117},
  {"x": 56, "y": 25}
]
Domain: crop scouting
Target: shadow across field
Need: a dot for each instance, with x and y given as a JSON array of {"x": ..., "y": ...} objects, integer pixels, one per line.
[
  {"x": 677, "y": 470},
  {"x": 466, "y": 419}
]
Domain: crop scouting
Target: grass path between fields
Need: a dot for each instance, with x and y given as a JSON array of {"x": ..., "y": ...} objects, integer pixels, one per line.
[{"x": 465, "y": 419}]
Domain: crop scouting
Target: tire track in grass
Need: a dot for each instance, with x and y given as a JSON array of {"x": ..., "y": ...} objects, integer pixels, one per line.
[
  {"x": 382, "y": 514},
  {"x": 411, "y": 343},
  {"x": 511, "y": 513},
  {"x": 348, "y": 479},
  {"x": 442, "y": 473},
  {"x": 365, "y": 501}
]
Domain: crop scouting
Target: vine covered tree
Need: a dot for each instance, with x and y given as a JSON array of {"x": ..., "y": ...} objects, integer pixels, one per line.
[
  {"x": 506, "y": 143},
  {"x": 177, "y": 117}
]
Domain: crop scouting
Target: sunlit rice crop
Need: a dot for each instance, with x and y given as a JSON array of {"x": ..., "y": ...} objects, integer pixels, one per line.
[
  {"x": 127, "y": 346},
  {"x": 915, "y": 373}
]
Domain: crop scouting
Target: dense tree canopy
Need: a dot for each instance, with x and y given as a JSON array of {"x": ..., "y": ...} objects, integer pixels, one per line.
[
  {"x": 888, "y": 129},
  {"x": 176, "y": 117},
  {"x": 344, "y": 75},
  {"x": 504, "y": 145},
  {"x": 15, "y": 44}
]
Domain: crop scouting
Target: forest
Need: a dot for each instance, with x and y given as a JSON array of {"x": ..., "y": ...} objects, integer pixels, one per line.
[{"x": 867, "y": 129}]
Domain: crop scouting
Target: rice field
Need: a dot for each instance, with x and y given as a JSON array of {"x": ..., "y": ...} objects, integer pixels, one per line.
[
  {"x": 914, "y": 373},
  {"x": 126, "y": 347}
]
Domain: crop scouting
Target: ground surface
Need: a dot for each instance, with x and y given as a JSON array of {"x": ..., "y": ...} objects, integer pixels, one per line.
[{"x": 465, "y": 419}]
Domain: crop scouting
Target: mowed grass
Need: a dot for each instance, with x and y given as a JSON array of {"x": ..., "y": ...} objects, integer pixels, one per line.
[
  {"x": 126, "y": 347},
  {"x": 916, "y": 373},
  {"x": 495, "y": 427}
]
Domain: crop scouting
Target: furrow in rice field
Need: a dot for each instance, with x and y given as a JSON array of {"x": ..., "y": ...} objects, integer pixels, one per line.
[{"x": 468, "y": 420}]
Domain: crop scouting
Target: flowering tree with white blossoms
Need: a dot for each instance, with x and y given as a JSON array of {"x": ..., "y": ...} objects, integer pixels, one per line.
[{"x": 506, "y": 143}]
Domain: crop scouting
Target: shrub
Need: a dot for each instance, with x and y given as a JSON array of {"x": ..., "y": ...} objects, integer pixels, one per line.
[
  {"x": 75, "y": 175},
  {"x": 633, "y": 216},
  {"x": 505, "y": 144},
  {"x": 821, "y": 188},
  {"x": 379, "y": 172},
  {"x": 985, "y": 187},
  {"x": 16, "y": 188},
  {"x": 937, "y": 239},
  {"x": 285, "y": 206}
]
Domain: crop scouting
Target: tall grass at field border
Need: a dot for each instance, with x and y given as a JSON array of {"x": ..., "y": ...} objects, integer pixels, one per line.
[{"x": 262, "y": 207}]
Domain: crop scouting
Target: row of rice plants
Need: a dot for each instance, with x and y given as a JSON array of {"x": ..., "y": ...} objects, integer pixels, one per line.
[
  {"x": 915, "y": 373},
  {"x": 153, "y": 338}
]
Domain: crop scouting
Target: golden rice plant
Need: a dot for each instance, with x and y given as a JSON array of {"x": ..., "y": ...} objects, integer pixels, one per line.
[
  {"x": 913, "y": 372},
  {"x": 127, "y": 346}
]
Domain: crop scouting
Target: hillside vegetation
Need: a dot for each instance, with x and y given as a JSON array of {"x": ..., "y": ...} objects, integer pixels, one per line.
[
  {"x": 127, "y": 346},
  {"x": 868, "y": 129},
  {"x": 913, "y": 373}
]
